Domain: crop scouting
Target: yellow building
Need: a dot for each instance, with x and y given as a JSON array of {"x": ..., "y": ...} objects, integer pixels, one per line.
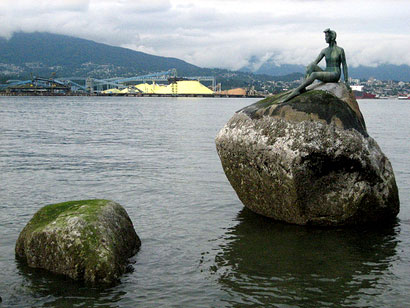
[
  {"x": 111, "y": 91},
  {"x": 189, "y": 87},
  {"x": 182, "y": 87},
  {"x": 146, "y": 88},
  {"x": 128, "y": 90}
]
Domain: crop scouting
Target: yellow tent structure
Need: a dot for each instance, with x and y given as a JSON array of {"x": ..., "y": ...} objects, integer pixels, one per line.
[
  {"x": 162, "y": 89},
  {"x": 129, "y": 90},
  {"x": 181, "y": 87},
  {"x": 184, "y": 87},
  {"x": 146, "y": 88},
  {"x": 111, "y": 91},
  {"x": 189, "y": 87}
]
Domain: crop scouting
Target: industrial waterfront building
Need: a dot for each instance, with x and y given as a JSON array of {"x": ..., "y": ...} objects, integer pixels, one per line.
[
  {"x": 156, "y": 84},
  {"x": 178, "y": 87}
]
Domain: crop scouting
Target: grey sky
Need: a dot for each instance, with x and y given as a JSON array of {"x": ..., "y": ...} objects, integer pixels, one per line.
[{"x": 225, "y": 33}]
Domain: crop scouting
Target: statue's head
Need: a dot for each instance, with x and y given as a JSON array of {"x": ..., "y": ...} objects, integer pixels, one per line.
[{"x": 330, "y": 35}]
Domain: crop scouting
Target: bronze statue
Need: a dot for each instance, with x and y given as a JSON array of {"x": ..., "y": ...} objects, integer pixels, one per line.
[{"x": 334, "y": 56}]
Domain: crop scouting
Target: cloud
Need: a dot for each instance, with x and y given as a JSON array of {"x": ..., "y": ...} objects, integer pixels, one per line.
[{"x": 225, "y": 33}]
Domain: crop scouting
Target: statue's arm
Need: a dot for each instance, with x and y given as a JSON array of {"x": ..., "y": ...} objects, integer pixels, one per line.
[
  {"x": 319, "y": 57},
  {"x": 344, "y": 64}
]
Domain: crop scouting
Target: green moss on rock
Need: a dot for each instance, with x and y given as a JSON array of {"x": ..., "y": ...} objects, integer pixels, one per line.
[
  {"x": 87, "y": 240},
  {"x": 311, "y": 105},
  {"x": 88, "y": 209}
]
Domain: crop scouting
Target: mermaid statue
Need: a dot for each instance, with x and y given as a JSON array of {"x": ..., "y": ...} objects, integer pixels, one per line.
[{"x": 334, "y": 56}]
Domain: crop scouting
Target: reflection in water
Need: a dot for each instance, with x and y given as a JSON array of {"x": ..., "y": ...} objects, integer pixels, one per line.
[
  {"x": 273, "y": 264},
  {"x": 59, "y": 291}
]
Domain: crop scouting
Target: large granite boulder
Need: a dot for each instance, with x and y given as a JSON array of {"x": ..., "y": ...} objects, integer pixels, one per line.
[
  {"x": 309, "y": 160},
  {"x": 89, "y": 240}
]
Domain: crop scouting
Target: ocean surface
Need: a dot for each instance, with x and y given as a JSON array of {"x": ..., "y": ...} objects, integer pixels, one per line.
[{"x": 200, "y": 247}]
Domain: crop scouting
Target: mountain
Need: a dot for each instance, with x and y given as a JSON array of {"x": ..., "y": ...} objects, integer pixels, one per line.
[
  {"x": 270, "y": 68},
  {"x": 381, "y": 72},
  {"x": 44, "y": 53}
]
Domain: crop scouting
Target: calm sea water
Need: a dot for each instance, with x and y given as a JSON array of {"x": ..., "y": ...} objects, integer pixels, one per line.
[{"x": 200, "y": 247}]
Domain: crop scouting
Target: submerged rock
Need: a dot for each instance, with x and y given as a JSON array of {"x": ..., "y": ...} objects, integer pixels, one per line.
[
  {"x": 89, "y": 240},
  {"x": 309, "y": 160}
]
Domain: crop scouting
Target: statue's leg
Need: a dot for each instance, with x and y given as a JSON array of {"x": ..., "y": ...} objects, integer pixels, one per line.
[
  {"x": 302, "y": 87},
  {"x": 312, "y": 67},
  {"x": 315, "y": 73},
  {"x": 328, "y": 76}
]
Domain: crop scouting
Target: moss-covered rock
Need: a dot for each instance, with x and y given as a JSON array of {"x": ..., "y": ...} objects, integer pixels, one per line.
[
  {"x": 309, "y": 160},
  {"x": 89, "y": 240}
]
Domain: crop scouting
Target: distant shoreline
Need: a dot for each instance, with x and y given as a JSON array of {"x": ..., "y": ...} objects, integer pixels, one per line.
[{"x": 216, "y": 95}]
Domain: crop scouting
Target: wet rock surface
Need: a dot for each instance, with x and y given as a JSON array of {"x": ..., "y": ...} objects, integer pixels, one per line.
[
  {"x": 309, "y": 160},
  {"x": 88, "y": 240}
]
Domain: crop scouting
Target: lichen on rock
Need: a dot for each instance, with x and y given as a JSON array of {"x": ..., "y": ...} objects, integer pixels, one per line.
[
  {"x": 88, "y": 240},
  {"x": 309, "y": 160}
]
